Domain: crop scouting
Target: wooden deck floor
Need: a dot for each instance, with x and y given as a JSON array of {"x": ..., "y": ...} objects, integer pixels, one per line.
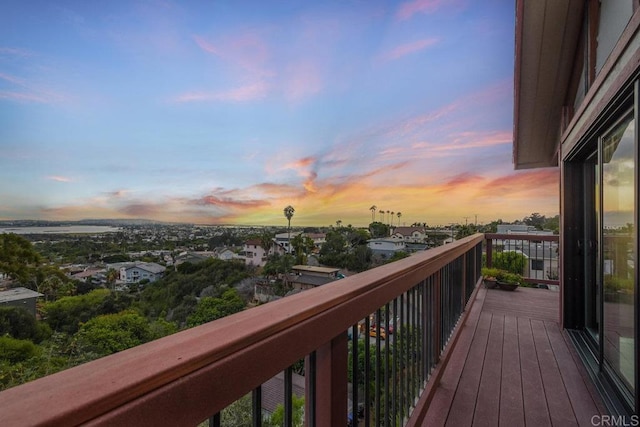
[{"x": 512, "y": 366}]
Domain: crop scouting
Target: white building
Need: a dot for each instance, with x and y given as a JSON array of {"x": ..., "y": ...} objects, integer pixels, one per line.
[
  {"x": 386, "y": 247},
  {"x": 135, "y": 272}
]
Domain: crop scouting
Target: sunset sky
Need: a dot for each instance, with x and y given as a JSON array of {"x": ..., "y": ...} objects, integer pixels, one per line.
[{"x": 225, "y": 112}]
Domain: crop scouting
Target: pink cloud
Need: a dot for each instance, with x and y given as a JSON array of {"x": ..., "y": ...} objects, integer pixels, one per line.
[
  {"x": 303, "y": 79},
  {"x": 224, "y": 202},
  {"x": 58, "y": 178},
  {"x": 408, "y": 48},
  {"x": 247, "y": 50},
  {"x": 27, "y": 92},
  {"x": 410, "y": 8},
  {"x": 257, "y": 90}
]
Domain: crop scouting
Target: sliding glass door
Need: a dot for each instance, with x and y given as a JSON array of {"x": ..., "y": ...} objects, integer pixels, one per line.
[{"x": 618, "y": 242}]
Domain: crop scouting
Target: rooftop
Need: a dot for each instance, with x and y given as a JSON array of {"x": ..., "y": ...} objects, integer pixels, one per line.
[{"x": 17, "y": 294}]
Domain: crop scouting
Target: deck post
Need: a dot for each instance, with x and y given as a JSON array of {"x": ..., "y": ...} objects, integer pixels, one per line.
[{"x": 331, "y": 382}]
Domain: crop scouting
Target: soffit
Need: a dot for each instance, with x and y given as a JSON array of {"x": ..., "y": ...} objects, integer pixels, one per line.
[{"x": 546, "y": 38}]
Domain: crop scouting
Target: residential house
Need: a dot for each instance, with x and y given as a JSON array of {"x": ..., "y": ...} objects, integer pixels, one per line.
[
  {"x": 96, "y": 275},
  {"x": 410, "y": 234},
  {"x": 577, "y": 100},
  {"x": 20, "y": 297},
  {"x": 304, "y": 277},
  {"x": 225, "y": 254},
  {"x": 192, "y": 257},
  {"x": 135, "y": 272},
  {"x": 282, "y": 240},
  {"x": 254, "y": 253},
  {"x": 386, "y": 247}
]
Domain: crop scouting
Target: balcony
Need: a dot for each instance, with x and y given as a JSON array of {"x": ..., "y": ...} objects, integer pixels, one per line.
[{"x": 459, "y": 354}]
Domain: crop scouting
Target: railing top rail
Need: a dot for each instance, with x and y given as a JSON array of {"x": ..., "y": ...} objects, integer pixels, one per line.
[
  {"x": 523, "y": 236},
  {"x": 222, "y": 359}
]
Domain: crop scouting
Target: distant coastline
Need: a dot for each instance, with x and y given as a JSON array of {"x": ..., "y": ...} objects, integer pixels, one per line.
[{"x": 61, "y": 229}]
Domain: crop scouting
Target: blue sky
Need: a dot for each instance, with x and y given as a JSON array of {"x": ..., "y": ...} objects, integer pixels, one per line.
[{"x": 225, "y": 112}]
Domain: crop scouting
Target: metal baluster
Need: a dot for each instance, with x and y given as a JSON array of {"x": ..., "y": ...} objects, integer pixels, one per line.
[
  {"x": 355, "y": 332},
  {"x": 378, "y": 363},
  {"x": 394, "y": 362},
  {"x": 401, "y": 358},
  {"x": 288, "y": 397},
  {"x": 367, "y": 372},
  {"x": 311, "y": 393},
  {"x": 214, "y": 421},
  {"x": 256, "y": 406},
  {"x": 386, "y": 365}
]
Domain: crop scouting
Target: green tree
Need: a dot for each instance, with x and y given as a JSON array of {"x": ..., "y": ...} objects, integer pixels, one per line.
[
  {"x": 266, "y": 241},
  {"x": 536, "y": 220},
  {"x": 18, "y": 323},
  {"x": 288, "y": 213},
  {"x": 398, "y": 255},
  {"x": 302, "y": 245},
  {"x": 360, "y": 258},
  {"x": 334, "y": 250},
  {"x": 277, "y": 418},
  {"x": 18, "y": 259},
  {"x": 278, "y": 264},
  {"x": 238, "y": 414},
  {"x": 111, "y": 333},
  {"x": 378, "y": 230},
  {"x": 14, "y": 350},
  {"x": 513, "y": 262},
  {"x": 209, "y": 309},
  {"x": 552, "y": 224},
  {"x": 373, "y": 212},
  {"x": 66, "y": 314}
]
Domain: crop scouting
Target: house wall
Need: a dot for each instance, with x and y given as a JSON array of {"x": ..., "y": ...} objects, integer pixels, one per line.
[
  {"x": 611, "y": 98},
  {"x": 135, "y": 274},
  {"x": 28, "y": 304}
]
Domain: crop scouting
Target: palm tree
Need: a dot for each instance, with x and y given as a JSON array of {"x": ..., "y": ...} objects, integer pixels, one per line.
[
  {"x": 338, "y": 223},
  {"x": 288, "y": 213},
  {"x": 373, "y": 212},
  {"x": 392, "y": 213},
  {"x": 399, "y": 215},
  {"x": 381, "y": 216}
]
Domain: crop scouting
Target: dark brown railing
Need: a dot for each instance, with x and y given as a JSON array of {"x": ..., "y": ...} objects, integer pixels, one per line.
[
  {"x": 540, "y": 255},
  {"x": 183, "y": 379}
]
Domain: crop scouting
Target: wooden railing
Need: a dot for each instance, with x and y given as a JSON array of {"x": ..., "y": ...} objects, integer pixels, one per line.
[
  {"x": 540, "y": 254},
  {"x": 183, "y": 379}
]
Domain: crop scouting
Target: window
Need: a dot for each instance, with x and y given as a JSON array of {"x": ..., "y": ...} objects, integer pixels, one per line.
[{"x": 537, "y": 264}]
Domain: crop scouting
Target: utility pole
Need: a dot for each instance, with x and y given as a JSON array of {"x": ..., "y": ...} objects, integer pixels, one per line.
[
  {"x": 476, "y": 223},
  {"x": 466, "y": 220}
]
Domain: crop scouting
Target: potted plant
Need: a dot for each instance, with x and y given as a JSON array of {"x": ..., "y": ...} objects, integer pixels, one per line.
[
  {"x": 508, "y": 281},
  {"x": 490, "y": 277}
]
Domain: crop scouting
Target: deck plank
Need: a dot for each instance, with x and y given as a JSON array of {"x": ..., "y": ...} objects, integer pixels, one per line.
[
  {"x": 464, "y": 402},
  {"x": 511, "y": 403},
  {"x": 488, "y": 401},
  {"x": 514, "y": 367},
  {"x": 582, "y": 401},
  {"x": 535, "y": 405},
  {"x": 560, "y": 410}
]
